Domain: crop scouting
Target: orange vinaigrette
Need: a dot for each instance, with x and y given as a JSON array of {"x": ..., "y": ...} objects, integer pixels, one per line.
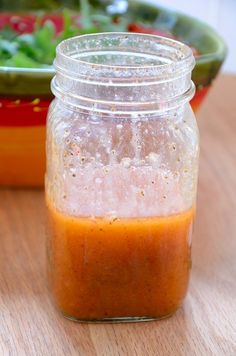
[{"x": 110, "y": 268}]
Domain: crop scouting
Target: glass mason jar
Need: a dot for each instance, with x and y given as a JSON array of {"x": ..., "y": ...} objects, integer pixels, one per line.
[{"x": 122, "y": 166}]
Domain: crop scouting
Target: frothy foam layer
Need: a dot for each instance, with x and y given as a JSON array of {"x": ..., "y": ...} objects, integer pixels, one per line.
[{"x": 120, "y": 191}]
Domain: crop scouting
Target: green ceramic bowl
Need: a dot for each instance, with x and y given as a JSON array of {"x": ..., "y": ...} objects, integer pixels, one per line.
[
  {"x": 25, "y": 93},
  {"x": 212, "y": 49}
]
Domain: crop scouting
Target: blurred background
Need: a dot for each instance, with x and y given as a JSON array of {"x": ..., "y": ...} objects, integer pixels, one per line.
[
  {"x": 31, "y": 29},
  {"x": 220, "y": 14}
]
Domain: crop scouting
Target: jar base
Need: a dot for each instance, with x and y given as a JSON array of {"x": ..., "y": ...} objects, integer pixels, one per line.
[{"x": 115, "y": 320}]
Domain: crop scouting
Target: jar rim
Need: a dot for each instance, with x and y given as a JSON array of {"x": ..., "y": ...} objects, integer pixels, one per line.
[
  {"x": 183, "y": 60},
  {"x": 158, "y": 79}
]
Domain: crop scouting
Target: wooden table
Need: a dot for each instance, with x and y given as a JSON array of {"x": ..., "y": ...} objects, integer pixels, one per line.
[{"x": 205, "y": 325}]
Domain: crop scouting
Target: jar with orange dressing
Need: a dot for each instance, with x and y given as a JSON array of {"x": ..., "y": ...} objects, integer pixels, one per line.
[{"x": 122, "y": 166}]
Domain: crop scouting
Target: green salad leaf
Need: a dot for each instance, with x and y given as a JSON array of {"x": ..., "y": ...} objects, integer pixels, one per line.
[{"x": 37, "y": 49}]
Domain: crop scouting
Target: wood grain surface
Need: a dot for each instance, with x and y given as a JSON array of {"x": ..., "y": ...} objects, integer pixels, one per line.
[{"x": 205, "y": 325}]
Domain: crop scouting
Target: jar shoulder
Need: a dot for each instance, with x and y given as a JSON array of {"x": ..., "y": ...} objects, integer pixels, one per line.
[{"x": 178, "y": 127}]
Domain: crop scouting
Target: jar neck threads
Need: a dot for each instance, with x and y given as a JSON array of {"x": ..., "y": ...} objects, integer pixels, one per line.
[{"x": 123, "y": 72}]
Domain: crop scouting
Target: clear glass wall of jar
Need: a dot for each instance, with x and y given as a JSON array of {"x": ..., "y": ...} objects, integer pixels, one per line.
[{"x": 122, "y": 166}]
